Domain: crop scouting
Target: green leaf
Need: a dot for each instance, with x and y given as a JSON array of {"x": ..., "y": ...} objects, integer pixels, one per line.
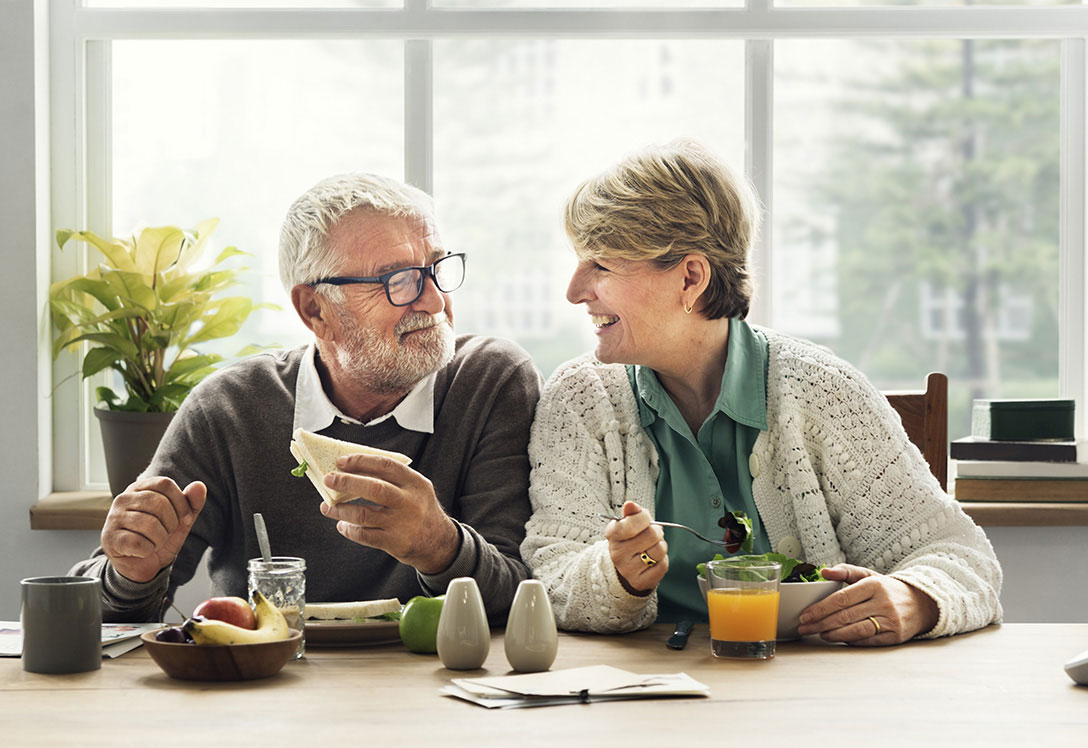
[
  {"x": 788, "y": 566},
  {"x": 227, "y": 320},
  {"x": 701, "y": 568},
  {"x": 157, "y": 249},
  {"x": 152, "y": 305},
  {"x": 98, "y": 359},
  {"x": 132, "y": 288},
  {"x": 117, "y": 252},
  {"x": 253, "y": 349},
  {"x": 107, "y": 396},
  {"x": 228, "y": 253},
  {"x": 216, "y": 281},
  {"x": 110, "y": 340},
  {"x": 169, "y": 397},
  {"x": 300, "y": 471},
  {"x": 183, "y": 366},
  {"x": 198, "y": 239},
  {"x": 94, "y": 287},
  {"x": 178, "y": 288}
]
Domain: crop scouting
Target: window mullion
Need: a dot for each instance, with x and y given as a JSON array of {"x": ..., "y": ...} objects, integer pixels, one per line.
[
  {"x": 419, "y": 114},
  {"x": 759, "y": 163},
  {"x": 1071, "y": 246},
  {"x": 67, "y": 94},
  {"x": 98, "y": 217}
]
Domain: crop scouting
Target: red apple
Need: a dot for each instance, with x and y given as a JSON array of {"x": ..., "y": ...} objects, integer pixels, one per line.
[{"x": 230, "y": 609}]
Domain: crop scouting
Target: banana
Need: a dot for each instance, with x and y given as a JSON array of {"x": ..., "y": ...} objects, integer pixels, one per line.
[{"x": 271, "y": 626}]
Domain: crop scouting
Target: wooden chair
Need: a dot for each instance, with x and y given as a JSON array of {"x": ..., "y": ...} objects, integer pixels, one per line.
[{"x": 925, "y": 419}]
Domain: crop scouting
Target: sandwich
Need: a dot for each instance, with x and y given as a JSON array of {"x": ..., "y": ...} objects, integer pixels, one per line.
[
  {"x": 388, "y": 610},
  {"x": 317, "y": 456}
]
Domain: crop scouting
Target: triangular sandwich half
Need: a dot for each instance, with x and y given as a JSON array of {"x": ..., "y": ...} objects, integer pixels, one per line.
[{"x": 317, "y": 456}]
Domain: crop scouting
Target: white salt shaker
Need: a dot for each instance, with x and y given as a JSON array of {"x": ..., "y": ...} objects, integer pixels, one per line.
[
  {"x": 464, "y": 638},
  {"x": 531, "y": 638}
]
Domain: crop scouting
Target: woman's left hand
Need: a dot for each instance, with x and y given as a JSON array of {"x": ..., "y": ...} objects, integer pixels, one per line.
[{"x": 872, "y": 610}]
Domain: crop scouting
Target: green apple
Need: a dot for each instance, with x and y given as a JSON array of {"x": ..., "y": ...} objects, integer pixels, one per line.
[{"x": 419, "y": 623}]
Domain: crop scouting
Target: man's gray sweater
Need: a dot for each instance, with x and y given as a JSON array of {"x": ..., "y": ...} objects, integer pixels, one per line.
[{"x": 233, "y": 433}]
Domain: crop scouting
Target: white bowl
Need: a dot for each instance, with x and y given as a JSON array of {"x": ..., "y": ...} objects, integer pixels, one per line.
[{"x": 793, "y": 597}]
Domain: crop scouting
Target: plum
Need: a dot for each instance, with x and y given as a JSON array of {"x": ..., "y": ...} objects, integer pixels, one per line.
[{"x": 172, "y": 635}]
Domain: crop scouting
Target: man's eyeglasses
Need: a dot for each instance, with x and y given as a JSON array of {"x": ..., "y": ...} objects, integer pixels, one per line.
[{"x": 405, "y": 285}]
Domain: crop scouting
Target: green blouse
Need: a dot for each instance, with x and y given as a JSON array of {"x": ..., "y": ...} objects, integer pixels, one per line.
[{"x": 704, "y": 476}]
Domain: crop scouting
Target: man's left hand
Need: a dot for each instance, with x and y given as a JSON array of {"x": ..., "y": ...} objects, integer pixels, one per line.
[
  {"x": 408, "y": 523},
  {"x": 872, "y": 610}
]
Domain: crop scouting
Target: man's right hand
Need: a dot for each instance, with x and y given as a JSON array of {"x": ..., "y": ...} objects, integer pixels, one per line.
[{"x": 148, "y": 524}]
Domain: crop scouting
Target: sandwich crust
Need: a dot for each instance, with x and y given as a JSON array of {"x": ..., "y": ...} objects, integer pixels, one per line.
[{"x": 350, "y": 611}]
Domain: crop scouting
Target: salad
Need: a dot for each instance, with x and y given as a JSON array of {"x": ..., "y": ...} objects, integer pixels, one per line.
[
  {"x": 738, "y": 536},
  {"x": 793, "y": 570}
]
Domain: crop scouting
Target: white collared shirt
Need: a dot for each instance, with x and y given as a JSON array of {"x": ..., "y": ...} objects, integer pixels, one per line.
[{"x": 314, "y": 410}]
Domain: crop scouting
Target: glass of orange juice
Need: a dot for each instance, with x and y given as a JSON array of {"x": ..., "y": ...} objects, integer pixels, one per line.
[{"x": 742, "y": 599}]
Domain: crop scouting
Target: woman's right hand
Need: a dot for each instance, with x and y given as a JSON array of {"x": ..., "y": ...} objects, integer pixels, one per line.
[{"x": 632, "y": 538}]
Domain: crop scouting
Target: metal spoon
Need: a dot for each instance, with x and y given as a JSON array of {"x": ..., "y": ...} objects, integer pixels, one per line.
[
  {"x": 262, "y": 537},
  {"x": 722, "y": 543}
]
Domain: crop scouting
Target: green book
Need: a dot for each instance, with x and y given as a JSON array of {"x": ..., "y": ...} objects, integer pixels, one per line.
[{"x": 1023, "y": 420}]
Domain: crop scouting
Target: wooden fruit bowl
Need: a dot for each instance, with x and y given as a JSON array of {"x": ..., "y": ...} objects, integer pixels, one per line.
[{"x": 226, "y": 662}]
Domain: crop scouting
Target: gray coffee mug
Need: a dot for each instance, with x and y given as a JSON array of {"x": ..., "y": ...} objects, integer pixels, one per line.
[{"x": 62, "y": 624}]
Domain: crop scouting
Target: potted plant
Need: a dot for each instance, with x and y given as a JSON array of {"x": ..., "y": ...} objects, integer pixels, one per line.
[{"x": 143, "y": 312}]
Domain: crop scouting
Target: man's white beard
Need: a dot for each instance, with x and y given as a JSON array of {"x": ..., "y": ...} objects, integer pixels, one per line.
[{"x": 388, "y": 367}]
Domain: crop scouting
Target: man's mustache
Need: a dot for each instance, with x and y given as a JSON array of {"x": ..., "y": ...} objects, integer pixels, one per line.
[{"x": 419, "y": 321}]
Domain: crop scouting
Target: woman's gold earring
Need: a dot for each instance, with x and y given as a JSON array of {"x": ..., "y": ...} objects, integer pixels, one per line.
[{"x": 687, "y": 309}]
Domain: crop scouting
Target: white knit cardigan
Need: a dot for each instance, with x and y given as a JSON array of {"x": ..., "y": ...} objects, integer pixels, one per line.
[{"x": 835, "y": 479}]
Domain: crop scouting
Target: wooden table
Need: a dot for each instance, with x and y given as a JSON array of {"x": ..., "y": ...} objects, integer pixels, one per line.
[{"x": 1003, "y": 685}]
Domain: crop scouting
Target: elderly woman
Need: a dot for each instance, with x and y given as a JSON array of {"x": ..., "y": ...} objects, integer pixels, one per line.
[{"x": 685, "y": 412}]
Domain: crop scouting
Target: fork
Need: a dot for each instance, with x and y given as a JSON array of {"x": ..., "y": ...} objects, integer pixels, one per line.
[{"x": 702, "y": 537}]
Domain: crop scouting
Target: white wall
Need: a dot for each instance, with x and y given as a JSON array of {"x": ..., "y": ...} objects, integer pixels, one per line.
[
  {"x": 1046, "y": 573},
  {"x": 25, "y": 374},
  {"x": 24, "y": 214},
  {"x": 1045, "y": 568}
]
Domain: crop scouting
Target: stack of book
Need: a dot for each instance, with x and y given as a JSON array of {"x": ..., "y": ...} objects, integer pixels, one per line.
[{"x": 990, "y": 470}]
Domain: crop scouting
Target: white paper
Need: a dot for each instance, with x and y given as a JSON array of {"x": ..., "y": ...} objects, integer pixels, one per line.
[
  {"x": 594, "y": 679},
  {"x": 572, "y": 686},
  {"x": 117, "y": 638}
]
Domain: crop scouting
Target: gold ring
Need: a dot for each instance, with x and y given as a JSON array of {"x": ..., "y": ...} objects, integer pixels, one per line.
[
  {"x": 875, "y": 624},
  {"x": 647, "y": 560}
]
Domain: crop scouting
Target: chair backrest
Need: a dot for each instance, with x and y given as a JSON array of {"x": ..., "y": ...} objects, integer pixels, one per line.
[{"x": 925, "y": 419}]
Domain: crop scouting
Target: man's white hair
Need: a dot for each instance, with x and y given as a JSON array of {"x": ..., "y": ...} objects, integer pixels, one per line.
[{"x": 305, "y": 255}]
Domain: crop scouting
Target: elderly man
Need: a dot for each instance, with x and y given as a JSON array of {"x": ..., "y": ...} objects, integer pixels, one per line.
[{"x": 370, "y": 277}]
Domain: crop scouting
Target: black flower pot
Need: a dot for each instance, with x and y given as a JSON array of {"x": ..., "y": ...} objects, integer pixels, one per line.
[{"x": 129, "y": 440}]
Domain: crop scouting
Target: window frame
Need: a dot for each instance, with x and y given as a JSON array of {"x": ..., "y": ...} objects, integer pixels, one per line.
[{"x": 79, "y": 62}]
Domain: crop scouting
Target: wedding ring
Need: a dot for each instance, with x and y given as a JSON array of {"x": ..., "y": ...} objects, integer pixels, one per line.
[
  {"x": 647, "y": 560},
  {"x": 875, "y": 624}
]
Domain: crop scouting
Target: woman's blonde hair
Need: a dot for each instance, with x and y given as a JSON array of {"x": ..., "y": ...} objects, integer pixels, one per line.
[{"x": 666, "y": 202}]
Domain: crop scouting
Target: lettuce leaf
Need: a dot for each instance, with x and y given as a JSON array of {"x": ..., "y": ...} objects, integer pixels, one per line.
[{"x": 805, "y": 572}]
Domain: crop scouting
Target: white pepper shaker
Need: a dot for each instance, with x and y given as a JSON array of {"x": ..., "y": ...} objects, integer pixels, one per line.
[
  {"x": 464, "y": 638},
  {"x": 531, "y": 638}
]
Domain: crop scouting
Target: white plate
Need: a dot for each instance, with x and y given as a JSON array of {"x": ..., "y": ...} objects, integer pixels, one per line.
[{"x": 351, "y": 634}]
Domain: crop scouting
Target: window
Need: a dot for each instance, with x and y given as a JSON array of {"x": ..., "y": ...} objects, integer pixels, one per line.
[
  {"x": 916, "y": 193},
  {"x": 922, "y": 169}
]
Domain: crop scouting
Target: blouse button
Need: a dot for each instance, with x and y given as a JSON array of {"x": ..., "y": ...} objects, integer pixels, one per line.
[
  {"x": 753, "y": 465},
  {"x": 716, "y": 502}
]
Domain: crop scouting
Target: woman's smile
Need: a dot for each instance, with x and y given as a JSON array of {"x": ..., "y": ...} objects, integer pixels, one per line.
[{"x": 602, "y": 321}]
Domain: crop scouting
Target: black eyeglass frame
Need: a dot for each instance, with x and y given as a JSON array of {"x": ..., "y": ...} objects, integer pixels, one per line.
[{"x": 384, "y": 278}]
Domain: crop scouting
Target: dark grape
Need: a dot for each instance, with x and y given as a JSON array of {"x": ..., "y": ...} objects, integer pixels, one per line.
[{"x": 173, "y": 635}]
